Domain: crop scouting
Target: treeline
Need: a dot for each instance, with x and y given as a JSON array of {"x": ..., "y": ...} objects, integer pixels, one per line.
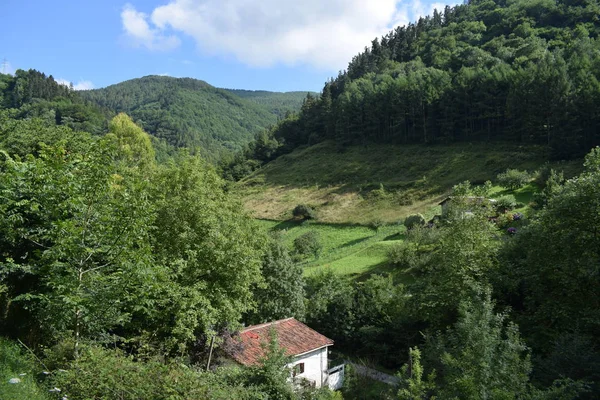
[
  {"x": 524, "y": 71},
  {"x": 33, "y": 95}
]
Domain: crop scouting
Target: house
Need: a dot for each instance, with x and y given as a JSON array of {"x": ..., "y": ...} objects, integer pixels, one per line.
[
  {"x": 307, "y": 348},
  {"x": 468, "y": 201}
]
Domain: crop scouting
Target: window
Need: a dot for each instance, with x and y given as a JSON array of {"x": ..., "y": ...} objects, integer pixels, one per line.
[{"x": 298, "y": 369}]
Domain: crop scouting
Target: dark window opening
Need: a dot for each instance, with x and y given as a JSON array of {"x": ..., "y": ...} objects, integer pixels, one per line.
[{"x": 298, "y": 369}]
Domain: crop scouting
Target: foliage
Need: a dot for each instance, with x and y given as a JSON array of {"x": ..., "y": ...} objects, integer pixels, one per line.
[
  {"x": 211, "y": 250},
  {"x": 308, "y": 244},
  {"x": 414, "y": 221},
  {"x": 513, "y": 179},
  {"x": 303, "y": 211},
  {"x": 482, "y": 356},
  {"x": 461, "y": 260},
  {"x": 282, "y": 294},
  {"x": 74, "y": 240},
  {"x": 557, "y": 262},
  {"x": 465, "y": 188},
  {"x": 505, "y": 203},
  {"x": 280, "y": 104},
  {"x": 412, "y": 385},
  {"x": 135, "y": 144}
]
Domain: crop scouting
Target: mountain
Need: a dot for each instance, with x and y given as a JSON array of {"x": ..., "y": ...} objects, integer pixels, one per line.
[{"x": 191, "y": 113}]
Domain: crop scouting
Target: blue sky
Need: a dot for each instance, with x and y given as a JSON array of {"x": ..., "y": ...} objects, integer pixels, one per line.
[{"x": 278, "y": 45}]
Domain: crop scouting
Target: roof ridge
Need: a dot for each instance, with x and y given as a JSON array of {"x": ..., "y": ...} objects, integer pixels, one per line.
[{"x": 253, "y": 327}]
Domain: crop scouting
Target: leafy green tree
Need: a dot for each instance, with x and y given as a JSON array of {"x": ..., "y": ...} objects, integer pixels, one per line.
[
  {"x": 303, "y": 211},
  {"x": 461, "y": 260},
  {"x": 557, "y": 260},
  {"x": 74, "y": 243},
  {"x": 413, "y": 221},
  {"x": 412, "y": 385},
  {"x": 482, "y": 356},
  {"x": 135, "y": 145},
  {"x": 282, "y": 293},
  {"x": 212, "y": 251},
  {"x": 513, "y": 179}
]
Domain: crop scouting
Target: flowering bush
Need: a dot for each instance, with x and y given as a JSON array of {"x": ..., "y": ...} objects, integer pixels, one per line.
[
  {"x": 504, "y": 220},
  {"x": 517, "y": 216},
  {"x": 511, "y": 230}
]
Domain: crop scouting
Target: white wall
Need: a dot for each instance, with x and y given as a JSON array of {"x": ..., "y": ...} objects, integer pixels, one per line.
[{"x": 315, "y": 366}]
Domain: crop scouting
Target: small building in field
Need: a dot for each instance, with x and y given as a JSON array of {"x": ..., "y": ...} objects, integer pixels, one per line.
[
  {"x": 469, "y": 201},
  {"x": 307, "y": 348}
]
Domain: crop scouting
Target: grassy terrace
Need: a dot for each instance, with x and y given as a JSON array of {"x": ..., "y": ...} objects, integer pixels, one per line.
[{"x": 353, "y": 250}]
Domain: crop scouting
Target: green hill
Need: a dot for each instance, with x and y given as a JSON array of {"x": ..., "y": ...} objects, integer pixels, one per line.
[
  {"x": 191, "y": 113},
  {"x": 524, "y": 72},
  {"x": 278, "y": 103}
]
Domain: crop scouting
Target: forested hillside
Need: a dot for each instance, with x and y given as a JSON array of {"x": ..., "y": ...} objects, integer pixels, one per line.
[
  {"x": 279, "y": 103},
  {"x": 31, "y": 94},
  {"x": 488, "y": 70},
  {"x": 188, "y": 112}
]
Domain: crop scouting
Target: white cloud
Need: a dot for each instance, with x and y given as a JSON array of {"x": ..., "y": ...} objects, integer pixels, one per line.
[
  {"x": 325, "y": 34},
  {"x": 80, "y": 85},
  {"x": 139, "y": 33}
]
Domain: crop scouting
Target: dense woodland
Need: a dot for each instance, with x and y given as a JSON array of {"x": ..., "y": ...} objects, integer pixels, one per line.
[
  {"x": 190, "y": 113},
  {"x": 122, "y": 258},
  {"x": 523, "y": 71}
]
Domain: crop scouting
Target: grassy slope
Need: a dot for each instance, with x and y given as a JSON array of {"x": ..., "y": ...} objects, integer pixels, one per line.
[{"x": 338, "y": 186}]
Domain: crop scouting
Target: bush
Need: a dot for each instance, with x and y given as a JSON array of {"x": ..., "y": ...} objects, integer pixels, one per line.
[
  {"x": 513, "y": 179},
  {"x": 304, "y": 212},
  {"x": 379, "y": 194},
  {"x": 308, "y": 244},
  {"x": 414, "y": 220},
  {"x": 505, "y": 203}
]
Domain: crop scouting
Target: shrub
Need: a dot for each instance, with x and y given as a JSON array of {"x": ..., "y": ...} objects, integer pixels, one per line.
[
  {"x": 467, "y": 189},
  {"x": 303, "y": 211},
  {"x": 505, "y": 203},
  {"x": 414, "y": 220},
  {"x": 307, "y": 244},
  {"x": 513, "y": 179},
  {"x": 504, "y": 220},
  {"x": 379, "y": 194}
]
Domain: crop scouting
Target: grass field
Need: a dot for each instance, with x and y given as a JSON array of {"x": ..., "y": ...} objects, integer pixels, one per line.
[
  {"x": 352, "y": 250},
  {"x": 362, "y": 188},
  {"x": 345, "y": 186}
]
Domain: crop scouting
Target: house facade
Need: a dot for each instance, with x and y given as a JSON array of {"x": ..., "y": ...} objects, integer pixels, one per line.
[{"x": 307, "y": 348}]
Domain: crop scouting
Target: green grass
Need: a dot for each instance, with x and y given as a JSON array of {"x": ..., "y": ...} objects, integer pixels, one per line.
[
  {"x": 348, "y": 249},
  {"x": 343, "y": 185},
  {"x": 16, "y": 364}
]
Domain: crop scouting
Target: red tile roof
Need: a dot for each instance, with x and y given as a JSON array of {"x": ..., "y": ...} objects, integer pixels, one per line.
[{"x": 293, "y": 336}]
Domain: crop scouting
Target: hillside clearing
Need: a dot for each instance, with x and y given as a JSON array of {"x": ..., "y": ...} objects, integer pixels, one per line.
[{"x": 378, "y": 183}]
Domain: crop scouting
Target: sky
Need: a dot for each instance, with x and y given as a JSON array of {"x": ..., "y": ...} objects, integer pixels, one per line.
[{"x": 277, "y": 45}]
